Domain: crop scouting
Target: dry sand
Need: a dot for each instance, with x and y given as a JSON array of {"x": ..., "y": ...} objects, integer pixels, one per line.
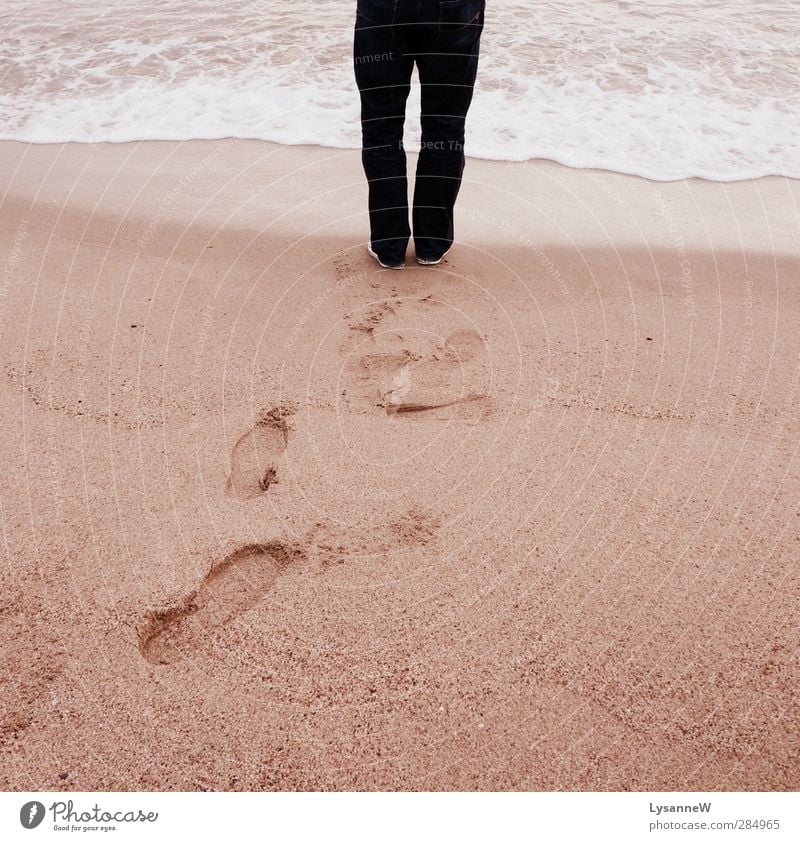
[{"x": 275, "y": 518}]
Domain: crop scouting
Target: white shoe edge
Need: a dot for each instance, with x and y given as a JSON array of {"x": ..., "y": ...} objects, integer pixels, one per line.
[
  {"x": 432, "y": 262},
  {"x": 381, "y": 263}
]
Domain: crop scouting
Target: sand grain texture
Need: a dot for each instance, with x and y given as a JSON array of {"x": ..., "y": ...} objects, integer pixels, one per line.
[{"x": 274, "y": 518}]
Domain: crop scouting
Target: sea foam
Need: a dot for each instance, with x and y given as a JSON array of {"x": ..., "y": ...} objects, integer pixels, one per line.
[{"x": 663, "y": 90}]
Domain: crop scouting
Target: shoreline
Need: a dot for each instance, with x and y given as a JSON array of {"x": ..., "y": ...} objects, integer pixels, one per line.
[
  {"x": 534, "y": 161},
  {"x": 673, "y": 210}
]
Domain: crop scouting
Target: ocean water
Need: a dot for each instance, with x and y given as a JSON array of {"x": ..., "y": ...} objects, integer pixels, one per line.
[{"x": 665, "y": 90}]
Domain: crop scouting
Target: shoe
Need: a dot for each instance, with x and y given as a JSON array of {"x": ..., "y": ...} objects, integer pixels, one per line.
[
  {"x": 423, "y": 262},
  {"x": 385, "y": 265}
]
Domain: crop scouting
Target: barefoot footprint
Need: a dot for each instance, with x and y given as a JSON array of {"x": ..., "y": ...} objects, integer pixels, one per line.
[
  {"x": 256, "y": 455},
  {"x": 232, "y": 586}
]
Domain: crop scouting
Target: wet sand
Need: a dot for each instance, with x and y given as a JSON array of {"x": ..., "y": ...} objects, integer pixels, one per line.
[{"x": 275, "y": 518}]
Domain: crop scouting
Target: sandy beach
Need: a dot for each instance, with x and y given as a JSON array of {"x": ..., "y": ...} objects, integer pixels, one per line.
[{"x": 276, "y": 518}]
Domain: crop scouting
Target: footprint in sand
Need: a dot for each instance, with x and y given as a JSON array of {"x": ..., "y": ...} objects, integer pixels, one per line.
[
  {"x": 257, "y": 454},
  {"x": 392, "y": 375},
  {"x": 234, "y": 585},
  {"x": 366, "y": 324},
  {"x": 453, "y": 375},
  {"x": 370, "y": 376}
]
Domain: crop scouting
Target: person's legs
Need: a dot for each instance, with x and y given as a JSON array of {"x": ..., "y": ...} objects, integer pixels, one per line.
[
  {"x": 383, "y": 76},
  {"x": 447, "y": 72}
]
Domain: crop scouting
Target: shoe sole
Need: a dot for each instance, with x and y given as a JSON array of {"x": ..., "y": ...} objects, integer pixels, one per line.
[{"x": 432, "y": 262}]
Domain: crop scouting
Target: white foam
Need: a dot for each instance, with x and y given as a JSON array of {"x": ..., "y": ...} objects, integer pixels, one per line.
[{"x": 663, "y": 90}]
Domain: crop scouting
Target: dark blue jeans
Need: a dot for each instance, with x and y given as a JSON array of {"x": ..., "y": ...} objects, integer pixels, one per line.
[{"x": 443, "y": 38}]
